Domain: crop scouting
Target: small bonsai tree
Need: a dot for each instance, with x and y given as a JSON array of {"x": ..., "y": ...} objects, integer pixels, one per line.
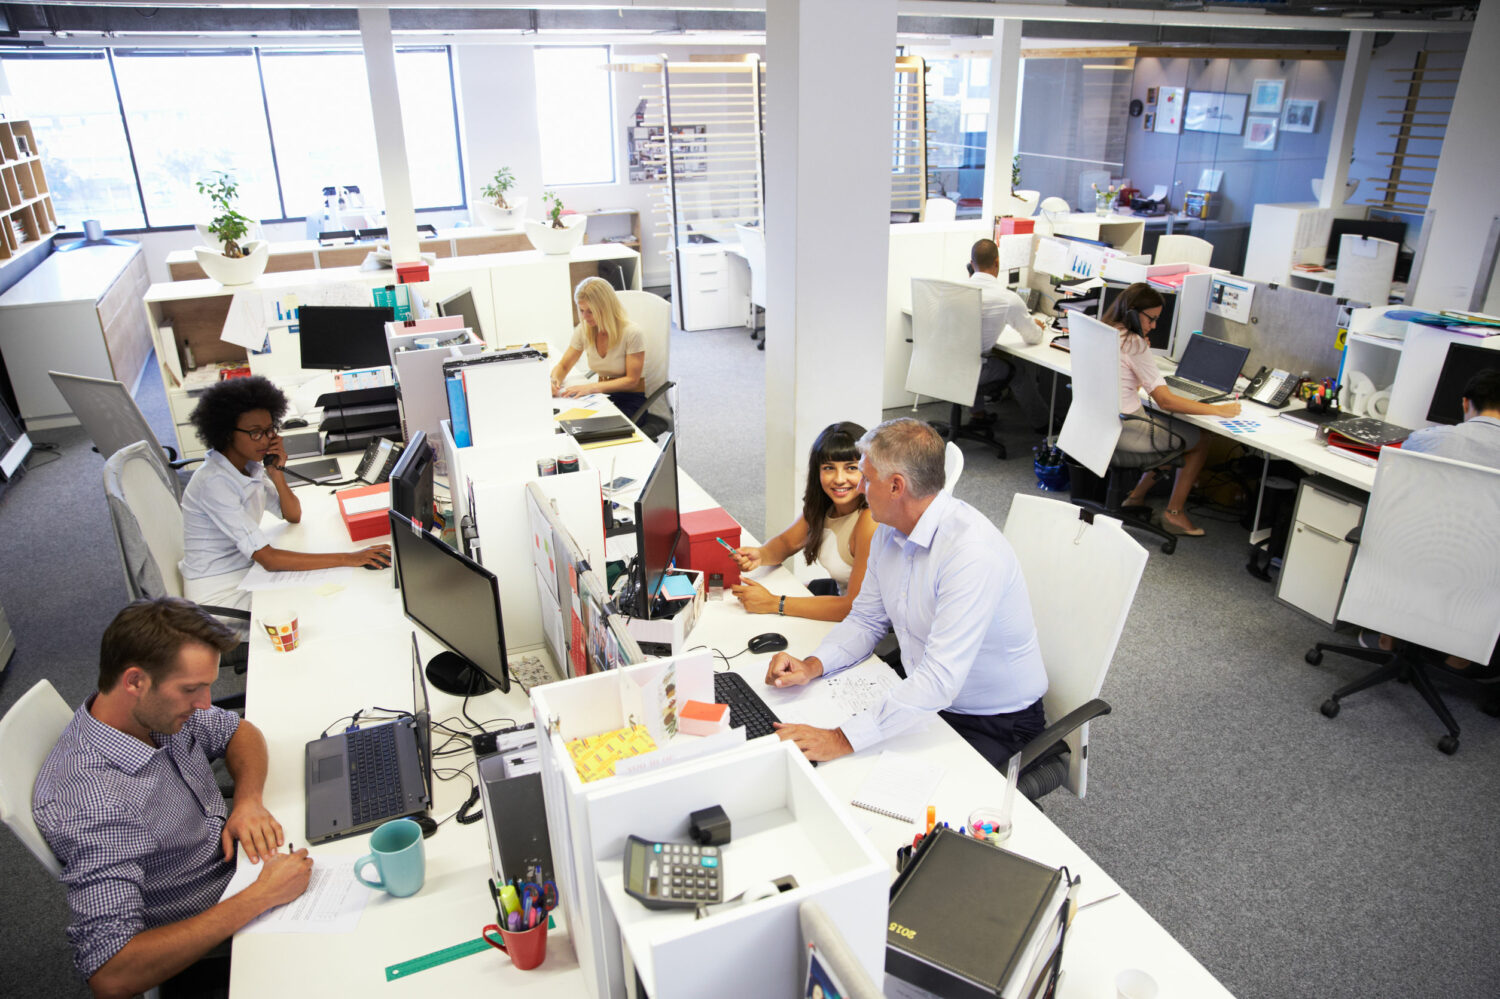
[
  {"x": 498, "y": 185},
  {"x": 554, "y": 208},
  {"x": 1015, "y": 171},
  {"x": 228, "y": 225}
]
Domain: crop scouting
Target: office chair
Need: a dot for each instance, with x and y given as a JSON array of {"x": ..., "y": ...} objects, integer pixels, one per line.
[
  {"x": 946, "y": 327},
  {"x": 1426, "y": 573},
  {"x": 1055, "y": 206},
  {"x": 653, "y": 314},
  {"x": 1178, "y": 249},
  {"x": 1091, "y": 430},
  {"x": 939, "y": 210},
  {"x": 113, "y": 420},
  {"x": 753, "y": 248},
  {"x": 953, "y": 466},
  {"x": 1081, "y": 572},
  {"x": 1366, "y": 268},
  {"x": 28, "y": 732}
]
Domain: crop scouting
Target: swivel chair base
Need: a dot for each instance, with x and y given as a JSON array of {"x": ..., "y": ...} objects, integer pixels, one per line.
[
  {"x": 955, "y": 430},
  {"x": 1401, "y": 663}
]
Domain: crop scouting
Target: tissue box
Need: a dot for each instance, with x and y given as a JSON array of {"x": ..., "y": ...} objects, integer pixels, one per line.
[
  {"x": 697, "y": 718},
  {"x": 365, "y": 510}
]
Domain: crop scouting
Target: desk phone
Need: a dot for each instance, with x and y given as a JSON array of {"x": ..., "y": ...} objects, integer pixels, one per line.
[
  {"x": 1271, "y": 388},
  {"x": 378, "y": 461},
  {"x": 672, "y": 875}
]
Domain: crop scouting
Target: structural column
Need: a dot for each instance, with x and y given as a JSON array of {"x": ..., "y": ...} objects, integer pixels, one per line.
[
  {"x": 1005, "y": 93},
  {"x": 1346, "y": 118},
  {"x": 390, "y": 134},
  {"x": 829, "y": 99}
]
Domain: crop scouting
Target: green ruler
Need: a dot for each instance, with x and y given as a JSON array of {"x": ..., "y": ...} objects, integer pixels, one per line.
[{"x": 408, "y": 968}]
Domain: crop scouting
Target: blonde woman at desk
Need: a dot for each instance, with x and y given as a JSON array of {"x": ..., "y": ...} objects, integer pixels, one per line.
[
  {"x": 615, "y": 347},
  {"x": 1134, "y": 313},
  {"x": 834, "y": 530}
]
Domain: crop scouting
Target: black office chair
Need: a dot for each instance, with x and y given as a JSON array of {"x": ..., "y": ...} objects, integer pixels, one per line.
[{"x": 1125, "y": 469}]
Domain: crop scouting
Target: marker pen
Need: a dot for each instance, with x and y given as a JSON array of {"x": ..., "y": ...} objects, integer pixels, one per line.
[{"x": 727, "y": 547}]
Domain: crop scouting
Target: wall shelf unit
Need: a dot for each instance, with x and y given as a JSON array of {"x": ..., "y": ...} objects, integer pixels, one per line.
[
  {"x": 25, "y": 200},
  {"x": 909, "y": 135}
]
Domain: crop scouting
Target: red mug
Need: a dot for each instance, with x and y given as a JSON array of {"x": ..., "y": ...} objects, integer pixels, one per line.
[{"x": 527, "y": 948}]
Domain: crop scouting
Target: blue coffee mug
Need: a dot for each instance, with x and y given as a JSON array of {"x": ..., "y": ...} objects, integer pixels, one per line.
[{"x": 396, "y": 851}]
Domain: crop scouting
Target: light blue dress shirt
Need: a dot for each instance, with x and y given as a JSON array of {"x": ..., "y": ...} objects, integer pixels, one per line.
[
  {"x": 1476, "y": 441},
  {"x": 954, "y": 594},
  {"x": 221, "y": 511}
]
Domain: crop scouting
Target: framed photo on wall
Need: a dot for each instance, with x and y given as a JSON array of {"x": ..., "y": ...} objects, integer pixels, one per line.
[
  {"x": 1260, "y": 132},
  {"x": 1211, "y": 111},
  {"x": 1265, "y": 96},
  {"x": 1300, "y": 116},
  {"x": 1169, "y": 110},
  {"x": 1150, "y": 125}
]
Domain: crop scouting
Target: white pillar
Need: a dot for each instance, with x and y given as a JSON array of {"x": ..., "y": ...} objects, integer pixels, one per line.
[
  {"x": 1346, "y": 118},
  {"x": 1005, "y": 92},
  {"x": 830, "y": 66},
  {"x": 1465, "y": 198},
  {"x": 390, "y": 135}
]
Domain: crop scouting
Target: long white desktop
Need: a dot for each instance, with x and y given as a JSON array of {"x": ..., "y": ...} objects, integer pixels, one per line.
[{"x": 355, "y": 653}]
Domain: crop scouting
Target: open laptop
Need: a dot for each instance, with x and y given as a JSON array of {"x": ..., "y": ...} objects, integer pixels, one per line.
[
  {"x": 1208, "y": 368},
  {"x": 357, "y": 780}
]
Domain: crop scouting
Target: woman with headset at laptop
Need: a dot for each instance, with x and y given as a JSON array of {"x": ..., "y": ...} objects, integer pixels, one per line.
[
  {"x": 1134, "y": 313},
  {"x": 615, "y": 347},
  {"x": 834, "y": 530}
]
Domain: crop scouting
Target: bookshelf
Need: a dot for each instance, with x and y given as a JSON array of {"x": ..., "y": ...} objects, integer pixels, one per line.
[{"x": 25, "y": 201}]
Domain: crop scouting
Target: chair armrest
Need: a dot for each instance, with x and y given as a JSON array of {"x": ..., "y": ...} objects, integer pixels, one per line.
[
  {"x": 234, "y": 612},
  {"x": 1176, "y": 442},
  {"x": 1049, "y": 742},
  {"x": 182, "y": 462},
  {"x": 635, "y": 417}
]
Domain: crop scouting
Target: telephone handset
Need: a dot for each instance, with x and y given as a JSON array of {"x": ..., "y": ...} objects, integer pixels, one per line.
[
  {"x": 1271, "y": 387},
  {"x": 379, "y": 458}
]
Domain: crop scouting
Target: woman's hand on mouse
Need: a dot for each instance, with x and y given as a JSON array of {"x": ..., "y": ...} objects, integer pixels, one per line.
[
  {"x": 755, "y": 598},
  {"x": 748, "y": 559}
]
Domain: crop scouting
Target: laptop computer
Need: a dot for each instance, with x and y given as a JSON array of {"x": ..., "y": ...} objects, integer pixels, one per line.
[
  {"x": 357, "y": 780},
  {"x": 1208, "y": 368}
]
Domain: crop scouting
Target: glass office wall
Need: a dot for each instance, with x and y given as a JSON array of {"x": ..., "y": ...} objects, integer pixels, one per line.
[
  {"x": 958, "y": 115},
  {"x": 1073, "y": 123}
]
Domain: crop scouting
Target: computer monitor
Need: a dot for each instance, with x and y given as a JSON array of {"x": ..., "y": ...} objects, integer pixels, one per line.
[
  {"x": 657, "y": 525},
  {"x": 411, "y": 482},
  {"x": 456, "y": 601},
  {"x": 1391, "y": 231},
  {"x": 462, "y": 304},
  {"x": 1464, "y": 361},
  {"x": 343, "y": 337}
]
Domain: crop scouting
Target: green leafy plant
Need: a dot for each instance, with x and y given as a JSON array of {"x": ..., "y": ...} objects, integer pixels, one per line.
[
  {"x": 228, "y": 225},
  {"x": 1107, "y": 196},
  {"x": 498, "y": 185},
  {"x": 554, "y": 208},
  {"x": 1015, "y": 171}
]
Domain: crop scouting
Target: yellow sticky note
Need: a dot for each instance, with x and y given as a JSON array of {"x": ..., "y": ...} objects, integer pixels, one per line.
[
  {"x": 576, "y": 414},
  {"x": 328, "y": 589}
]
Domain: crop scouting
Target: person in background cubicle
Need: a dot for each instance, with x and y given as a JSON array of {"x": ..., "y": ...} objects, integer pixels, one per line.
[
  {"x": 1000, "y": 307},
  {"x": 1134, "y": 312},
  {"x": 834, "y": 530},
  {"x": 240, "y": 479},
  {"x": 949, "y": 584},
  {"x": 128, "y": 802},
  {"x": 615, "y": 347}
]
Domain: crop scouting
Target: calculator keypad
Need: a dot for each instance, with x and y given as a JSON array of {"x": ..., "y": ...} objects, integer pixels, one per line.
[{"x": 689, "y": 873}]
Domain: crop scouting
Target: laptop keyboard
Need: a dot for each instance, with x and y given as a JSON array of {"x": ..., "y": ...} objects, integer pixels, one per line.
[
  {"x": 374, "y": 777},
  {"x": 746, "y": 709},
  {"x": 1184, "y": 387}
]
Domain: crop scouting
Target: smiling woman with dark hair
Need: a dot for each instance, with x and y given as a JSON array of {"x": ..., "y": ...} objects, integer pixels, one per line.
[{"x": 241, "y": 478}]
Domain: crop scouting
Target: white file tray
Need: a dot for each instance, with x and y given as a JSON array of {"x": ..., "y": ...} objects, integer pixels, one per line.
[
  {"x": 784, "y": 822},
  {"x": 589, "y": 705}
]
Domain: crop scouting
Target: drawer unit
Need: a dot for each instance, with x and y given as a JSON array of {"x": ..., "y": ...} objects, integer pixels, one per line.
[
  {"x": 1317, "y": 560},
  {"x": 714, "y": 289}
]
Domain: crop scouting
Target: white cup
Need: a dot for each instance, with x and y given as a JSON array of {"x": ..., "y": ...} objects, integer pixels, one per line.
[
  {"x": 423, "y": 343},
  {"x": 1133, "y": 983}
]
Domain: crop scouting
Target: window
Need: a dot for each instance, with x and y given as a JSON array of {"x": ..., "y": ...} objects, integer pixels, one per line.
[
  {"x": 575, "y": 116},
  {"x": 76, "y": 119}
]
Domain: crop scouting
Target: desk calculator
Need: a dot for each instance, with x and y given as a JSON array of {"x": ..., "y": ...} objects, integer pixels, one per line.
[{"x": 672, "y": 875}]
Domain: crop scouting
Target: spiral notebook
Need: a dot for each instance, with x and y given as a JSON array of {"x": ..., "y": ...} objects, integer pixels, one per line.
[{"x": 900, "y": 786}]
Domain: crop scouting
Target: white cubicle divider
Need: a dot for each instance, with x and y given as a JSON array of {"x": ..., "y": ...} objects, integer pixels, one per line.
[
  {"x": 507, "y": 397},
  {"x": 424, "y": 396},
  {"x": 1129, "y": 270},
  {"x": 784, "y": 821},
  {"x": 1192, "y": 306}
]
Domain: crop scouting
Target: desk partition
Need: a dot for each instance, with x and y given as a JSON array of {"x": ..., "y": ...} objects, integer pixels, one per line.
[{"x": 1289, "y": 328}]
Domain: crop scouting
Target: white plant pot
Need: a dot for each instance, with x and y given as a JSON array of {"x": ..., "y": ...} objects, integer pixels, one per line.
[
  {"x": 233, "y": 271},
  {"x": 550, "y": 240},
  {"x": 488, "y": 215}
]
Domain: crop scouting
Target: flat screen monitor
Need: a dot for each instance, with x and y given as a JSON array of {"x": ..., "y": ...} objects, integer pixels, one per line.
[
  {"x": 1394, "y": 232},
  {"x": 456, "y": 601},
  {"x": 657, "y": 525},
  {"x": 343, "y": 337},
  {"x": 1464, "y": 361},
  {"x": 411, "y": 481},
  {"x": 462, "y": 304}
]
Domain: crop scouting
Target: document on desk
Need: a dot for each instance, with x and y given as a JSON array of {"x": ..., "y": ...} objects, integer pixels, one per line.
[
  {"x": 830, "y": 701},
  {"x": 259, "y": 579},
  {"x": 332, "y": 903}
]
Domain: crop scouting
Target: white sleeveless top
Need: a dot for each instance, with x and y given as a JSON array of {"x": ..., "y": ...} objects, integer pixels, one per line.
[{"x": 836, "y": 551}]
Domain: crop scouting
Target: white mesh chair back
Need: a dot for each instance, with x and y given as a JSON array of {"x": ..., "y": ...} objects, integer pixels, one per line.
[
  {"x": 1177, "y": 249},
  {"x": 939, "y": 210},
  {"x": 28, "y": 732},
  {"x": 653, "y": 314},
  {"x": 1366, "y": 268},
  {"x": 953, "y": 466},
  {"x": 111, "y": 417},
  {"x": 946, "y": 333},
  {"x": 1092, "y": 428},
  {"x": 147, "y": 521}
]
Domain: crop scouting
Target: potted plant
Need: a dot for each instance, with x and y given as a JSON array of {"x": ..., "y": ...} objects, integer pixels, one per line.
[
  {"x": 496, "y": 211},
  {"x": 229, "y": 258},
  {"x": 562, "y": 231},
  {"x": 1104, "y": 200}
]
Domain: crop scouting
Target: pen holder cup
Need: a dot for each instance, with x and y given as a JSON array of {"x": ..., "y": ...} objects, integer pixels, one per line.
[
  {"x": 527, "y": 948},
  {"x": 979, "y": 818}
]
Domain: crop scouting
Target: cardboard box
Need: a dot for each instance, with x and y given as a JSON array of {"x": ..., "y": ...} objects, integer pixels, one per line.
[
  {"x": 1014, "y": 227},
  {"x": 698, "y": 549},
  {"x": 365, "y": 511}
]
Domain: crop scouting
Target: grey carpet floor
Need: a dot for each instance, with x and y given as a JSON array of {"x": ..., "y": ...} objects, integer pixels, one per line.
[{"x": 1292, "y": 855}]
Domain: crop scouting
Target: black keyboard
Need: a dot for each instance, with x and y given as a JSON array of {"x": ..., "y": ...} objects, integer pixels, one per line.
[
  {"x": 374, "y": 777},
  {"x": 746, "y": 709}
]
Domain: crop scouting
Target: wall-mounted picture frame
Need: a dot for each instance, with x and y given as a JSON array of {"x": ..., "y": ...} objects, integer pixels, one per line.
[
  {"x": 1151, "y": 93},
  {"x": 1260, "y": 132},
  {"x": 1212, "y": 111},
  {"x": 1300, "y": 116},
  {"x": 1150, "y": 121},
  {"x": 1169, "y": 110},
  {"x": 1265, "y": 96}
]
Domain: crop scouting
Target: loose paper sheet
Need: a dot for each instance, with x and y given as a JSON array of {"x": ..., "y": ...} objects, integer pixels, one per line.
[
  {"x": 259, "y": 579},
  {"x": 332, "y": 903}
]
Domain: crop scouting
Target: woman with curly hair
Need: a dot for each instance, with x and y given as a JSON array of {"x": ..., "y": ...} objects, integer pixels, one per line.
[
  {"x": 615, "y": 348},
  {"x": 834, "y": 530},
  {"x": 239, "y": 419}
]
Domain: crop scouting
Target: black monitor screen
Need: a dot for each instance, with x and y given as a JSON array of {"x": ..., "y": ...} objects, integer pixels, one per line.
[
  {"x": 656, "y": 525},
  {"x": 343, "y": 337},
  {"x": 1464, "y": 361},
  {"x": 411, "y": 481},
  {"x": 455, "y": 599},
  {"x": 462, "y": 304},
  {"x": 1394, "y": 232}
]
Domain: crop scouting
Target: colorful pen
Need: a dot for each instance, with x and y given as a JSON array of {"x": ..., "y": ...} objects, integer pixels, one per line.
[
  {"x": 727, "y": 547},
  {"x": 931, "y": 817}
]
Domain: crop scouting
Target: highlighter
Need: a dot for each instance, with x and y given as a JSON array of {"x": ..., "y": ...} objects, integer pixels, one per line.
[
  {"x": 509, "y": 901},
  {"x": 727, "y": 547},
  {"x": 931, "y": 817}
]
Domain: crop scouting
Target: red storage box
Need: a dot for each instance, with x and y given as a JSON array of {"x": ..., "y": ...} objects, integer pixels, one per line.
[
  {"x": 697, "y": 548},
  {"x": 1014, "y": 227},
  {"x": 366, "y": 510},
  {"x": 414, "y": 272}
]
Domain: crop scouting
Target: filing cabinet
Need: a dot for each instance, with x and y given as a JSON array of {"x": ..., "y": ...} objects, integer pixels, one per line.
[{"x": 1317, "y": 560}]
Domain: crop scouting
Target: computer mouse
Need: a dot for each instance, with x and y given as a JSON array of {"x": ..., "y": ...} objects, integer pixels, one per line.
[
  {"x": 427, "y": 822},
  {"x": 769, "y": 642},
  {"x": 295, "y": 423}
]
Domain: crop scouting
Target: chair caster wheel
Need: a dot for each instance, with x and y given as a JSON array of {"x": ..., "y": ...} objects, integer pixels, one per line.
[
  {"x": 1313, "y": 657},
  {"x": 1330, "y": 708},
  {"x": 1448, "y": 745},
  {"x": 1169, "y": 546}
]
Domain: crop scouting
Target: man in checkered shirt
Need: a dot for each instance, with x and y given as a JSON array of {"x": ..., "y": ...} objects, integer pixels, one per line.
[{"x": 128, "y": 802}]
